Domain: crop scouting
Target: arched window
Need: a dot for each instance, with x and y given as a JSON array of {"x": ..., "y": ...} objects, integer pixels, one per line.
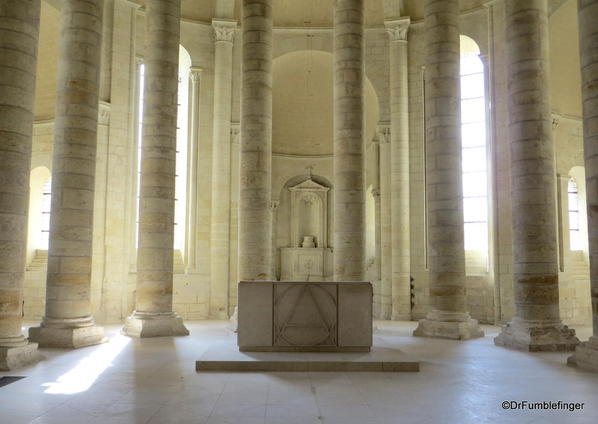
[
  {"x": 573, "y": 202},
  {"x": 44, "y": 237},
  {"x": 181, "y": 147},
  {"x": 474, "y": 154}
]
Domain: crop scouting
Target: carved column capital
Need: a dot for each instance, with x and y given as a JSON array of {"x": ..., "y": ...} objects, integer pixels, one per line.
[
  {"x": 383, "y": 133},
  {"x": 224, "y": 30},
  {"x": 398, "y": 29},
  {"x": 195, "y": 74}
]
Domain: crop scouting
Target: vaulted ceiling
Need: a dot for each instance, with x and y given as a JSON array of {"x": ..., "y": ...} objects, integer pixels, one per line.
[{"x": 317, "y": 13}]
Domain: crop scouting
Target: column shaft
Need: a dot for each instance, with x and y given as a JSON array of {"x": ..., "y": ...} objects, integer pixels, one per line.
[
  {"x": 255, "y": 218},
  {"x": 19, "y": 32},
  {"x": 399, "y": 169},
  {"x": 153, "y": 315},
  {"x": 536, "y": 325},
  {"x": 586, "y": 354},
  {"x": 448, "y": 317},
  {"x": 348, "y": 161},
  {"x": 68, "y": 321},
  {"x": 224, "y": 32},
  {"x": 385, "y": 221}
]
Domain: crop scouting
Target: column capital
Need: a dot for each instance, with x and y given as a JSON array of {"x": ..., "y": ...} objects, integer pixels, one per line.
[
  {"x": 397, "y": 29},
  {"x": 274, "y": 205},
  {"x": 224, "y": 30},
  {"x": 556, "y": 120},
  {"x": 195, "y": 74},
  {"x": 383, "y": 132}
]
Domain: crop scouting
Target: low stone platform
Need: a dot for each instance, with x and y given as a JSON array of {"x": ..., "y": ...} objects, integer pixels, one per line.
[{"x": 227, "y": 357}]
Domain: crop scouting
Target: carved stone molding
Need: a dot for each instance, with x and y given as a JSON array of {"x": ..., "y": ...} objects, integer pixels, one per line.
[
  {"x": 224, "y": 30},
  {"x": 104, "y": 113},
  {"x": 383, "y": 133},
  {"x": 398, "y": 29},
  {"x": 195, "y": 74}
]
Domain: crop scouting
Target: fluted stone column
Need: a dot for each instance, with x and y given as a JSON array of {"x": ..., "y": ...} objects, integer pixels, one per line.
[
  {"x": 255, "y": 218},
  {"x": 399, "y": 168},
  {"x": 19, "y": 31},
  {"x": 536, "y": 325},
  {"x": 224, "y": 32},
  {"x": 153, "y": 315},
  {"x": 68, "y": 321},
  {"x": 586, "y": 354},
  {"x": 448, "y": 317},
  {"x": 348, "y": 161}
]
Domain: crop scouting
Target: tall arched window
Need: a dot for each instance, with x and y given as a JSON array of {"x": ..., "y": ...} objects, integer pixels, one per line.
[
  {"x": 180, "y": 207},
  {"x": 44, "y": 238},
  {"x": 573, "y": 202},
  {"x": 474, "y": 154}
]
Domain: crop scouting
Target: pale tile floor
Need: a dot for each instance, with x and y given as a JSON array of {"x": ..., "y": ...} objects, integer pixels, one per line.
[{"x": 154, "y": 381}]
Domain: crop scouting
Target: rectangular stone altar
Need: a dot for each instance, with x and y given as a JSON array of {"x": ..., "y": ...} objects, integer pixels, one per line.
[{"x": 300, "y": 316}]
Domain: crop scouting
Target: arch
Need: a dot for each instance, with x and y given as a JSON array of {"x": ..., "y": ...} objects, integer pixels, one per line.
[{"x": 302, "y": 97}]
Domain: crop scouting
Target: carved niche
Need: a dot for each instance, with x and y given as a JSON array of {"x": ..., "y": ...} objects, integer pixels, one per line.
[{"x": 309, "y": 212}]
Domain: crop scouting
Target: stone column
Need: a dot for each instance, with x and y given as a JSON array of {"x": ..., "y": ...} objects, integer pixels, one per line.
[
  {"x": 536, "y": 325},
  {"x": 384, "y": 177},
  {"x": 448, "y": 317},
  {"x": 193, "y": 125},
  {"x": 68, "y": 321},
  {"x": 224, "y": 32},
  {"x": 255, "y": 218},
  {"x": 153, "y": 315},
  {"x": 586, "y": 354},
  {"x": 19, "y": 31},
  {"x": 399, "y": 168},
  {"x": 348, "y": 161}
]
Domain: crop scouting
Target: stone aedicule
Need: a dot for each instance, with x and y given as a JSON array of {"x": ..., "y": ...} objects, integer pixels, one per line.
[{"x": 305, "y": 316}]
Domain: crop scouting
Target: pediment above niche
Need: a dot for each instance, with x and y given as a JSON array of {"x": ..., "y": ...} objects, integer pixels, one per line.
[{"x": 309, "y": 185}]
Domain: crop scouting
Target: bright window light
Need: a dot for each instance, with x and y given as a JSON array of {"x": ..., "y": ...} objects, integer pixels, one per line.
[
  {"x": 474, "y": 159},
  {"x": 573, "y": 201},
  {"x": 180, "y": 211},
  {"x": 44, "y": 237}
]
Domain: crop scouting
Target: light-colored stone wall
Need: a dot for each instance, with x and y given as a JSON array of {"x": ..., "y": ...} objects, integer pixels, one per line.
[{"x": 487, "y": 295}]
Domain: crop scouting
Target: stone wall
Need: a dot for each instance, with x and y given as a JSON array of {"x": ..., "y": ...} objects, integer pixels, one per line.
[{"x": 489, "y": 288}]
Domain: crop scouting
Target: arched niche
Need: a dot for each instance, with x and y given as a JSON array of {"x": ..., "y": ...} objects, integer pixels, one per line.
[{"x": 309, "y": 214}]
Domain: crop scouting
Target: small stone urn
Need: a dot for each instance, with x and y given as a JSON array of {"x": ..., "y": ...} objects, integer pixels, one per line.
[{"x": 308, "y": 241}]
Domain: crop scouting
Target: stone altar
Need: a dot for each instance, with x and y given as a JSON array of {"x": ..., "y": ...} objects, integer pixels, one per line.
[{"x": 308, "y": 316}]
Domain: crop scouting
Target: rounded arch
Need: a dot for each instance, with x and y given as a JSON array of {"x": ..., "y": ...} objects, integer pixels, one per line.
[
  {"x": 302, "y": 97},
  {"x": 468, "y": 45}
]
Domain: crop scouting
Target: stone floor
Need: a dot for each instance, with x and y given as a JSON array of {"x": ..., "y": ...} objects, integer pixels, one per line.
[{"x": 154, "y": 381}]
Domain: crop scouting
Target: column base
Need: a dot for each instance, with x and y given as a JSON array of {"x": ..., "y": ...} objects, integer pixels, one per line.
[
  {"x": 534, "y": 336},
  {"x": 448, "y": 325},
  {"x": 71, "y": 338},
  {"x": 585, "y": 355},
  {"x": 18, "y": 355},
  {"x": 145, "y": 324}
]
